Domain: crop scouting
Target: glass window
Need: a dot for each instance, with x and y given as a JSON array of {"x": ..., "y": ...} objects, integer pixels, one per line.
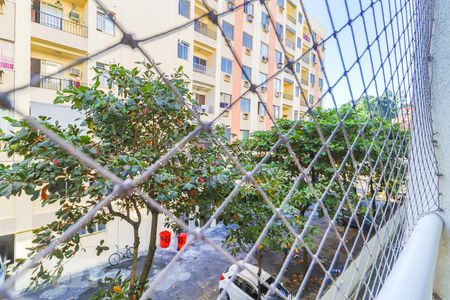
[
  {"x": 248, "y": 8},
  {"x": 246, "y": 73},
  {"x": 299, "y": 42},
  {"x": 104, "y": 23},
  {"x": 314, "y": 36},
  {"x": 280, "y": 3},
  {"x": 199, "y": 64},
  {"x": 311, "y": 99},
  {"x": 184, "y": 8},
  {"x": 226, "y": 65},
  {"x": 277, "y": 84},
  {"x": 320, "y": 83},
  {"x": 278, "y": 57},
  {"x": 228, "y": 30},
  {"x": 263, "y": 78},
  {"x": 201, "y": 99},
  {"x": 279, "y": 30},
  {"x": 104, "y": 77},
  {"x": 261, "y": 109},
  {"x": 313, "y": 58},
  {"x": 247, "y": 41},
  {"x": 276, "y": 111},
  {"x": 225, "y": 100},
  {"x": 297, "y": 67},
  {"x": 295, "y": 114},
  {"x": 183, "y": 49},
  {"x": 244, "y": 135},
  {"x": 311, "y": 79},
  {"x": 245, "y": 105},
  {"x": 264, "y": 50},
  {"x": 297, "y": 91},
  {"x": 265, "y": 19},
  {"x": 92, "y": 229},
  {"x": 300, "y": 17}
]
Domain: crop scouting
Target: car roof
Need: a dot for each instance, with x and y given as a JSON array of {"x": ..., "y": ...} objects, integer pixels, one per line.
[{"x": 249, "y": 275}]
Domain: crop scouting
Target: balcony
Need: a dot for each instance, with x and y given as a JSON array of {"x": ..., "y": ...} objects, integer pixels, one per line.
[
  {"x": 305, "y": 58},
  {"x": 290, "y": 44},
  {"x": 6, "y": 62},
  {"x": 58, "y": 23},
  {"x": 203, "y": 75},
  {"x": 57, "y": 84},
  {"x": 288, "y": 96},
  {"x": 306, "y": 37},
  {"x": 292, "y": 19},
  {"x": 202, "y": 28}
]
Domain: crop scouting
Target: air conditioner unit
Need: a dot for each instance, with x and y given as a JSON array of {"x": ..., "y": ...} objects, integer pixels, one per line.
[
  {"x": 263, "y": 89},
  {"x": 278, "y": 94},
  {"x": 245, "y": 116},
  {"x": 264, "y": 59},
  {"x": 246, "y": 83},
  {"x": 261, "y": 118},
  {"x": 75, "y": 72},
  {"x": 280, "y": 65},
  {"x": 248, "y": 51},
  {"x": 230, "y": 4},
  {"x": 266, "y": 27},
  {"x": 204, "y": 108},
  {"x": 227, "y": 77},
  {"x": 250, "y": 18},
  {"x": 73, "y": 15}
]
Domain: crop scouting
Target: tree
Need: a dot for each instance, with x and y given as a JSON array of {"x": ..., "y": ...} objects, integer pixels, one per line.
[{"x": 126, "y": 131}]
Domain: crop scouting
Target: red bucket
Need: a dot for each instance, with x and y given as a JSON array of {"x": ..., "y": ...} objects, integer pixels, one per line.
[
  {"x": 164, "y": 239},
  {"x": 182, "y": 238}
]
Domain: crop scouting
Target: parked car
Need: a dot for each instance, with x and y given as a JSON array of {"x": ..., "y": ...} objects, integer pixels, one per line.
[{"x": 245, "y": 285}]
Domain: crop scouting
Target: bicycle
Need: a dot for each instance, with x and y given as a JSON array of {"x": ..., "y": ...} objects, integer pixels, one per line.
[{"x": 117, "y": 256}]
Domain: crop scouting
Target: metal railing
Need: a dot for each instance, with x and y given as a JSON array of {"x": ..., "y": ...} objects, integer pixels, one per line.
[
  {"x": 58, "y": 23},
  {"x": 58, "y": 84},
  {"x": 6, "y": 62},
  {"x": 288, "y": 96},
  {"x": 202, "y": 28},
  {"x": 199, "y": 68},
  {"x": 292, "y": 19},
  {"x": 290, "y": 44}
]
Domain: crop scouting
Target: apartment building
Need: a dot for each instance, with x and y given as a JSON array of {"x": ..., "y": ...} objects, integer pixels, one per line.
[{"x": 39, "y": 37}]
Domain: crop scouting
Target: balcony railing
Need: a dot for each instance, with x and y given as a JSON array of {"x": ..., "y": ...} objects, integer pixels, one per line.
[
  {"x": 288, "y": 96},
  {"x": 6, "y": 62},
  {"x": 54, "y": 83},
  {"x": 202, "y": 28},
  {"x": 292, "y": 19},
  {"x": 58, "y": 23},
  {"x": 305, "y": 81},
  {"x": 199, "y": 68},
  {"x": 305, "y": 58},
  {"x": 290, "y": 44}
]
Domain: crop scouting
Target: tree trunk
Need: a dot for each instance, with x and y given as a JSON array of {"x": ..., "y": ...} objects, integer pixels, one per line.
[
  {"x": 259, "y": 259},
  {"x": 151, "y": 249},
  {"x": 134, "y": 263}
]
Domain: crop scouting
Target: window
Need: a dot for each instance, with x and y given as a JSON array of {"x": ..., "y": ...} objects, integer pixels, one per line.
[
  {"x": 278, "y": 57},
  {"x": 300, "y": 17},
  {"x": 279, "y": 30},
  {"x": 313, "y": 58},
  {"x": 295, "y": 115},
  {"x": 311, "y": 79},
  {"x": 248, "y": 8},
  {"x": 92, "y": 229},
  {"x": 280, "y": 3},
  {"x": 247, "y": 40},
  {"x": 264, "y": 50},
  {"x": 297, "y": 67},
  {"x": 277, "y": 84},
  {"x": 228, "y": 30},
  {"x": 199, "y": 64},
  {"x": 201, "y": 99},
  {"x": 227, "y": 134},
  {"x": 105, "y": 23},
  {"x": 245, "y": 134},
  {"x": 276, "y": 111},
  {"x": 246, "y": 73},
  {"x": 226, "y": 65},
  {"x": 225, "y": 100},
  {"x": 183, "y": 49},
  {"x": 311, "y": 99},
  {"x": 261, "y": 109},
  {"x": 299, "y": 42},
  {"x": 51, "y": 15},
  {"x": 245, "y": 105},
  {"x": 263, "y": 78},
  {"x": 297, "y": 91},
  {"x": 104, "y": 77},
  {"x": 184, "y": 8},
  {"x": 320, "y": 83},
  {"x": 314, "y": 36},
  {"x": 265, "y": 21},
  {"x": 245, "y": 287}
]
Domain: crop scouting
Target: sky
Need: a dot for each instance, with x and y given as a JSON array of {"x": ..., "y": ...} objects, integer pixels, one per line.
[{"x": 373, "y": 21}]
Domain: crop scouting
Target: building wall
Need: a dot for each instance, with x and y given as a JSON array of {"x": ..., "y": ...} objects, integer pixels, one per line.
[{"x": 28, "y": 38}]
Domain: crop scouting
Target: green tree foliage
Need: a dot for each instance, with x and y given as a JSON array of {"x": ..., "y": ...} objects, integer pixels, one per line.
[{"x": 125, "y": 128}]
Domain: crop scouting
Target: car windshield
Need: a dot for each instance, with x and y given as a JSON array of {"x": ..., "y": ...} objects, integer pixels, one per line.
[{"x": 280, "y": 288}]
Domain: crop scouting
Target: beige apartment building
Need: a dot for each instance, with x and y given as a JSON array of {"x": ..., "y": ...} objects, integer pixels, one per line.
[{"x": 39, "y": 37}]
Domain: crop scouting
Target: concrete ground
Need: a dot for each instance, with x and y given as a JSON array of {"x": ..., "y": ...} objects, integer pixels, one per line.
[{"x": 196, "y": 275}]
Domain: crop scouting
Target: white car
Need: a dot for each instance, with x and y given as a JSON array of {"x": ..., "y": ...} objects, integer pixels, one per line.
[{"x": 245, "y": 285}]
